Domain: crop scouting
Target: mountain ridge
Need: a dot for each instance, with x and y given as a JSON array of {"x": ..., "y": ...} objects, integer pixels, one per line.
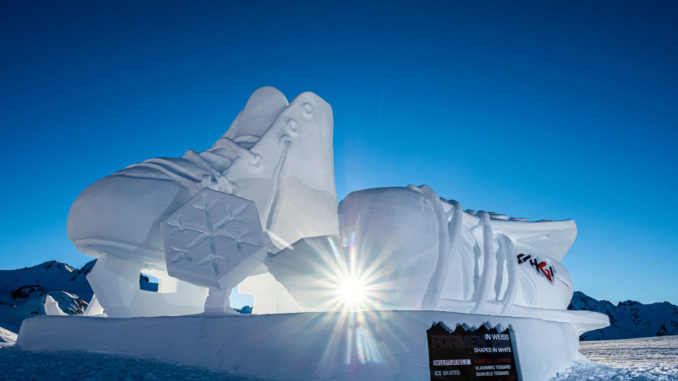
[{"x": 628, "y": 319}]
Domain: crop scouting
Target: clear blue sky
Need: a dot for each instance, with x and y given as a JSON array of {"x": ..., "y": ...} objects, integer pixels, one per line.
[{"x": 538, "y": 109}]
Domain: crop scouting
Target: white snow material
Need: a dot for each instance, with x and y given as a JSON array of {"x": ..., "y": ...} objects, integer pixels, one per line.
[
  {"x": 652, "y": 358},
  {"x": 52, "y": 308},
  {"x": 289, "y": 173},
  {"x": 261, "y": 110},
  {"x": 508, "y": 251},
  {"x": 550, "y": 238},
  {"x": 435, "y": 285},
  {"x": 308, "y": 346},
  {"x": 271, "y": 296},
  {"x": 390, "y": 240},
  {"x": 652, "y": 354},
  {"x": 115, "y": 282},
  {"x": 7, "y": 338},
  {"x": 276, "y": 155},
  {"x": 217, "y": 302},
  {"x": 94, "y": 308},
  {"x": 489, "y": 274}
]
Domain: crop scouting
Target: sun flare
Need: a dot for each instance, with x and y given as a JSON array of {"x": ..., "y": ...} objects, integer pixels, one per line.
[{"x": 352, "y": 292}]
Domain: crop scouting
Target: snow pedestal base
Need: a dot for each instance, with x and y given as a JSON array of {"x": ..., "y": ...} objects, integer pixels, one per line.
[{"x": 373, "y": 345}]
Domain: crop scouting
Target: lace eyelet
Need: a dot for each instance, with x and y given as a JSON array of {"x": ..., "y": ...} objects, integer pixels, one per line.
[
  {"x": 292, "y": 127},
  {"x": 307, "y": 110}
]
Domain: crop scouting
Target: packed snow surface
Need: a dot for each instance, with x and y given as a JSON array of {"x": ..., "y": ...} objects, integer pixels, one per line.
[
  {"x": 17, "y": 364},
  {"x": 649, "y": 358}
]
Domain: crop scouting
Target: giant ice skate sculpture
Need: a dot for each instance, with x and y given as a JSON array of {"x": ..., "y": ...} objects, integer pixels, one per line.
[
  {"x": 267, "y": 186},
  {"x": 259, "y": 210}
]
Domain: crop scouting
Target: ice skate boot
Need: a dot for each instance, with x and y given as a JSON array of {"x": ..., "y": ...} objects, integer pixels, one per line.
[{"x": 275, "y": 154}]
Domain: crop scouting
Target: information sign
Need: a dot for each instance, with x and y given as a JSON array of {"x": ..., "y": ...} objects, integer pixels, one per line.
[{"x": 481, "y": 354}]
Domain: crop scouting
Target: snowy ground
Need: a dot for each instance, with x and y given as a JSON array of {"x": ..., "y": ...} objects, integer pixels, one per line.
[
  {"x": 654, "y": 358},
  {"x": 16, "y": 364},
  {"x": 651, "y": 358}
]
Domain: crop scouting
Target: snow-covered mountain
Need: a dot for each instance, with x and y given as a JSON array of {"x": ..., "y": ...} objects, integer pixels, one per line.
[
  {"x": 48, "y": 276},
  {"x": 629, "y": 319},
  {"x": 23, "y": 292}
]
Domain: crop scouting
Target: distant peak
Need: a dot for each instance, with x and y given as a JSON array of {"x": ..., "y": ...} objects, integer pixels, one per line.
[
  {"x": 628, "y": 303},
  {"x": 54, "y": 264},
  {"x": 629, "y": 318}
]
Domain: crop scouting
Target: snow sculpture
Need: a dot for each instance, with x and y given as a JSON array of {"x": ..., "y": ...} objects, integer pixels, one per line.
[
  {"x": 94, "y": 308},
  {"x": 276, "y": 155},
  {"x": 409, "y": 249},
  {"x": 270, "y": 295},
  {"x": 259, "y": 209}
]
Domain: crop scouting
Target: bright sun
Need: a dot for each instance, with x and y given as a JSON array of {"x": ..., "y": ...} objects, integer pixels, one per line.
[{"x": 352, "y": 292}]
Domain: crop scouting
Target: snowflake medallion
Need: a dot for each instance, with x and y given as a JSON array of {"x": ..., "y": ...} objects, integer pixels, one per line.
[{"x": 215, "y": 240}]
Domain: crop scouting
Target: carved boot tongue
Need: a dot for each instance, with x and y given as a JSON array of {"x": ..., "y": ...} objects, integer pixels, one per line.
[
  {"x": 289, "y": 173},
  {"x": 261, "y": 110},
  {"x": 279, "y": 155}
]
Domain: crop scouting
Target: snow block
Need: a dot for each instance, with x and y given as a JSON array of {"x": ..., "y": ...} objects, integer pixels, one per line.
[{"x": 376, "y": 345}]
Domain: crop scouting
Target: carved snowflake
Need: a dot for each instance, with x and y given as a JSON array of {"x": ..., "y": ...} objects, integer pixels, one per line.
[{"x": 214, "y": 240}]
